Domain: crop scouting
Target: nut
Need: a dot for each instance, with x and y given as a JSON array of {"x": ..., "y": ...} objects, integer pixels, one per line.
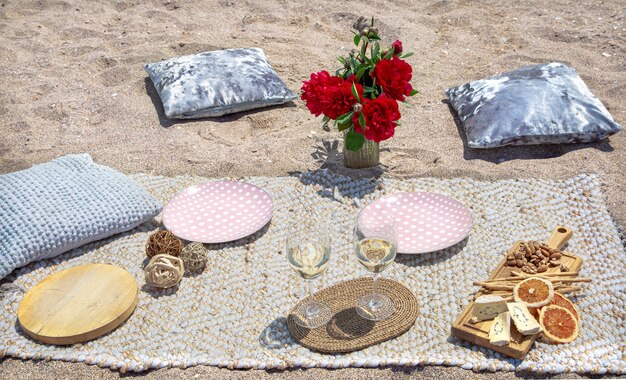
[
  {"x": 532, "y": 248},
  {"x": 510, "y": 262},
  {"x": 564, "y": 268},
  {"x": 555, "y": 255},
  {"x": 510, "y": 257},
  {"x": 545, "y": 252},
  {"x": 542, "y": 268},
  {"x": 554, "y": 263},
  {"x": 519, "y": 263},
  {"x": 529, "y": 269}
]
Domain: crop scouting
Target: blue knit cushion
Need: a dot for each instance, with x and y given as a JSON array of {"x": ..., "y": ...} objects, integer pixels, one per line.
[{"x": 60, "y": 205}]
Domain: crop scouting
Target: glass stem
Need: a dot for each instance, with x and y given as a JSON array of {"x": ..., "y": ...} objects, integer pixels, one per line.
[
  {"x": 375, "y": 280},
  {"x": 312, "y": 309},
  {"x": 310, "y": 284}
]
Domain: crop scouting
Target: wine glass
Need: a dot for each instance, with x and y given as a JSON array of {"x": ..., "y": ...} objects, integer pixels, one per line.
[
  {"x": 375, "y": 246},
  {"x": 308, "y": 251}
]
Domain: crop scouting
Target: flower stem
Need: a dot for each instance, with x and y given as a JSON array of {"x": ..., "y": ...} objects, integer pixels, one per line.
[{"x": 363, "y": 51}]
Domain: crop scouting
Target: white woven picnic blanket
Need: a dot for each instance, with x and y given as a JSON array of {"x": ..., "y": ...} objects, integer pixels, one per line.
[{"x": 233, "y": 314}]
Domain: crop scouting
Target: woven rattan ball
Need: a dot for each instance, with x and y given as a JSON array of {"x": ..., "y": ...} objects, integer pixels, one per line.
[
  {"x": 195, "y": 256},
  {"x": 164, "y": 271},
  {"x": 163, "y": 243}
]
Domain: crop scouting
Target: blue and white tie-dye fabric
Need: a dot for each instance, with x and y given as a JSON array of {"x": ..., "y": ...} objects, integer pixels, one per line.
[
  {"x": 539, "y": 104},
  {"x": 60, "y": 205},
  {"x": 217, "y": 83}
]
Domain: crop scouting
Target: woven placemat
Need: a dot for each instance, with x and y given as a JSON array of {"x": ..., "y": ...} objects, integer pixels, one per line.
[{"x": 347, "y": 331}]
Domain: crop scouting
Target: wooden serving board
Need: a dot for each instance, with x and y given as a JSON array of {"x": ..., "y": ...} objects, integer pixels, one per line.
[
  {"x": 78, "y": 304},
  {"x": 478, "y": 333}
]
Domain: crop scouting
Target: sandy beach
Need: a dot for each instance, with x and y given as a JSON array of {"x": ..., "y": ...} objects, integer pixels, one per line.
[{"x": 73, "y": 82}]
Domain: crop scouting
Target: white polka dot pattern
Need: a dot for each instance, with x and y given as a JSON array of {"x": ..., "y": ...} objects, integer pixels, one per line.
[
  {"x": 218, "y": 212},
  {"x": 425, "y": 222}
]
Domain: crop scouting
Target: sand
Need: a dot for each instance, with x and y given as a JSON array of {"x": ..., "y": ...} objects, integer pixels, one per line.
[{"x": 73, "y": 82}]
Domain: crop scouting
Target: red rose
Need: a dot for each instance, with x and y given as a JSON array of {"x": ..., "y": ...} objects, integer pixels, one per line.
[
  {"x": 329, "y": 95},
  {"x": 313, "y": 91},
  {"x": 381, "y": 115},
  {"x": 338, "y": 98},
  {"x": 393, "y": 75},
  {"x": 397, "y": 47}
]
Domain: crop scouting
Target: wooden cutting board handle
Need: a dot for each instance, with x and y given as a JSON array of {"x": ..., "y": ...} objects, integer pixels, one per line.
[{"x": 559, "y": 237}]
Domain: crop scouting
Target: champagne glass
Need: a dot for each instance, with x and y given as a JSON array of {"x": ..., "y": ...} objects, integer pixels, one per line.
[
  {"x": 308, "y": 251},
  {"x": 375, "y": 246}
]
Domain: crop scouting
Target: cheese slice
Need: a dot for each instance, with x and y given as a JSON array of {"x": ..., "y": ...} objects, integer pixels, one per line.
[
  {"x": 500, "y": 331},
  {"x": 525, "y": 323},
  {"x": 488, "y": 307}
]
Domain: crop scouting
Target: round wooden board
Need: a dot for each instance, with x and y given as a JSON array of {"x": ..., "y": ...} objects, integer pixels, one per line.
[{"x": 78, "y": 304}]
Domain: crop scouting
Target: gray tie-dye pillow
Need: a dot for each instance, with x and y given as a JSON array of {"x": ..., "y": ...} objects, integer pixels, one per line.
[
  {"x": 217, "y": 83},
  {"x": 539, "y": 104}
]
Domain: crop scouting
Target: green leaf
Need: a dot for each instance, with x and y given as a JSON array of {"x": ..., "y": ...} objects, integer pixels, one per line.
[
  {"x": 344, "y": 126},
  {"x": 326, "y": 119},
  {"x": 342, "y": 60},
  {"x": 376, "y": 50},
  {"x": 372, "y": 21},
  {"x": 355, "y": 92},
  {"x": 407, "y": 55},
  {"x": 353, "y": 64},
  {"x": 354, "y": 141},
  {"x": 345, "y": 118},
  {"x": 413, "y": 92},
  {"x": 360, "y": 72},
  {"x": 389, "y": 54},
  {"x": 362, "y": 121},
  {"x": 357, "y": 39}
]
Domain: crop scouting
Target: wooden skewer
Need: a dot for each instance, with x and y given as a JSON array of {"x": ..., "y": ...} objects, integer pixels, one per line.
[
  {"x": 515, "y": 280},
  {"x": 507, "y": 279},
  {"x": 494, "y": 282},
  {"x": 545, "y": 274},
  {"x": 494, "y": 286},
  {"x": 569, "y": 289},
  {"x": 577, "y": 279},
  {"x": 550, "y": 274}
]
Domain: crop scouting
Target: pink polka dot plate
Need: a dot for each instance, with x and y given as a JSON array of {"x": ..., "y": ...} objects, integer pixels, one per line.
[
  {"x": 218, "y": 212},
  {"x": 425, "y": 222}
]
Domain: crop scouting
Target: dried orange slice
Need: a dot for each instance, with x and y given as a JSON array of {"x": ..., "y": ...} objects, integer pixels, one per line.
[
  {"x": 534, "y": 292},
  {"x": 560, "y": 300},
  {"x": 559, "y": 324}
]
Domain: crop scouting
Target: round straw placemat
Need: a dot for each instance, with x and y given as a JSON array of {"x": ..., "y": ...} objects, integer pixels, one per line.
[{"x": 347, "y": 331}]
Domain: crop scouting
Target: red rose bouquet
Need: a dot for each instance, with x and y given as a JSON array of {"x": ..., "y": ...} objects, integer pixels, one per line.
[{"x": 362, "y": 97}]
